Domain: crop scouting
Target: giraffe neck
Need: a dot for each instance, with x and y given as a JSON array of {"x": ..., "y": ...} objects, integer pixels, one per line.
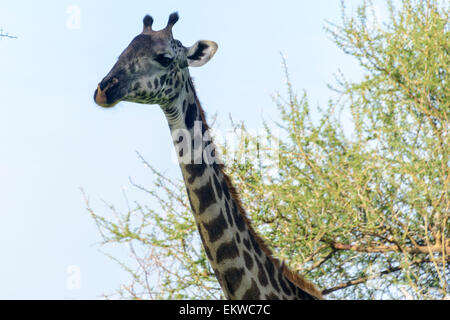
[{"x": 242, "y": 263}]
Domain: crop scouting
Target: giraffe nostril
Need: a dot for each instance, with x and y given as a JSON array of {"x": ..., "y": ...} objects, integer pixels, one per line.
[
  {"x": 102, "y": 86},
  {"x": 106, "y": 85}
]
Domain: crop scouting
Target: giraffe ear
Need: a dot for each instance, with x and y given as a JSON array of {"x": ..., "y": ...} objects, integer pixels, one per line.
[{"x": 201, "y": 52}]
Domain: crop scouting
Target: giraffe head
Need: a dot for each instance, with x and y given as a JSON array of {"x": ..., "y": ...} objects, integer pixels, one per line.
[{"x": 153, "y": 68}]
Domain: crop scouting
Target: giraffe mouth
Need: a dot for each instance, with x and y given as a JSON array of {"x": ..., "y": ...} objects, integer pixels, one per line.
[{"x": 103, "y": 97}]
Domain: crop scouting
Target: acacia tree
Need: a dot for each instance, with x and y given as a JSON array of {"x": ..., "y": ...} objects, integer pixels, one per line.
[{"x": 362, "y": 212}]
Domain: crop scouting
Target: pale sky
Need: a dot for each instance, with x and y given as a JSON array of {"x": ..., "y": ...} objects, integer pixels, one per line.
[{"x": 54, "y": 139}]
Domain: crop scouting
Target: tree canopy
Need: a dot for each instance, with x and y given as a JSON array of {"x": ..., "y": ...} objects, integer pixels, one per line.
[{"x": 360, "y": 207}]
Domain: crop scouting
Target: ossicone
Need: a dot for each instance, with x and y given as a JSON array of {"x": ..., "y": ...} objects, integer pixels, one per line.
[
  {"x": 148, "y": 22},
  {"x": 173, "y": 18}
]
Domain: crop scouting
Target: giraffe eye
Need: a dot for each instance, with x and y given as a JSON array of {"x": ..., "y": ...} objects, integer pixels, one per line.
[{"x": 164, "y": 60}]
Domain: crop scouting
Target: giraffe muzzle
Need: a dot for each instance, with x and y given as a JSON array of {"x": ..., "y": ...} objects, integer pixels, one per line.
[{"x": 100, "y": 96}]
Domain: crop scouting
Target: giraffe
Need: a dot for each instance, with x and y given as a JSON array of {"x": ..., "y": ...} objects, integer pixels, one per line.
[{"x": 153, "y": 69}]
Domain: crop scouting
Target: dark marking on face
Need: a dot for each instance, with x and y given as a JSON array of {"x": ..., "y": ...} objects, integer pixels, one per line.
[
  {"x": 149, "y": 85},
  {"x": 227, "y": 250},
  {"x": 233, "y": 278},
  {"x": 156, "y": 83},
  {"x": 216, "y": 227},
  {"x": 205, "y": 197},
  {"x": 191, "y": 115},
  {"x": 253, "y": 292},
  {"x": 137, "y": 85},
  {"x": 248, "y": 260},
  {"x": 184, "y": 106},
  {"x": 168, "y": 91},
  {"x": 133, "y": 67},
  {"x": 162, "y": 79}
]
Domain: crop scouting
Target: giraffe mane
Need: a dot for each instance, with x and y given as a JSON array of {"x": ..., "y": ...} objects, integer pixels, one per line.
[{"x": 294, "y": 277}]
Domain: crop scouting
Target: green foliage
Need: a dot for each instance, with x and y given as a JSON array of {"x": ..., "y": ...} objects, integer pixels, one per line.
[{"x": 361, "y": 210}]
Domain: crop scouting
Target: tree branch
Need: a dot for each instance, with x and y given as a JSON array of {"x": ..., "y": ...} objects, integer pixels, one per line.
[
  {"x": 357, "y": 281},
  {"x": 381, "y": 249}
]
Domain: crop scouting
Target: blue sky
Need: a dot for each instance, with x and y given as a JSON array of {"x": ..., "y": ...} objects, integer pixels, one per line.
[{"x": 54, "y": 139}]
